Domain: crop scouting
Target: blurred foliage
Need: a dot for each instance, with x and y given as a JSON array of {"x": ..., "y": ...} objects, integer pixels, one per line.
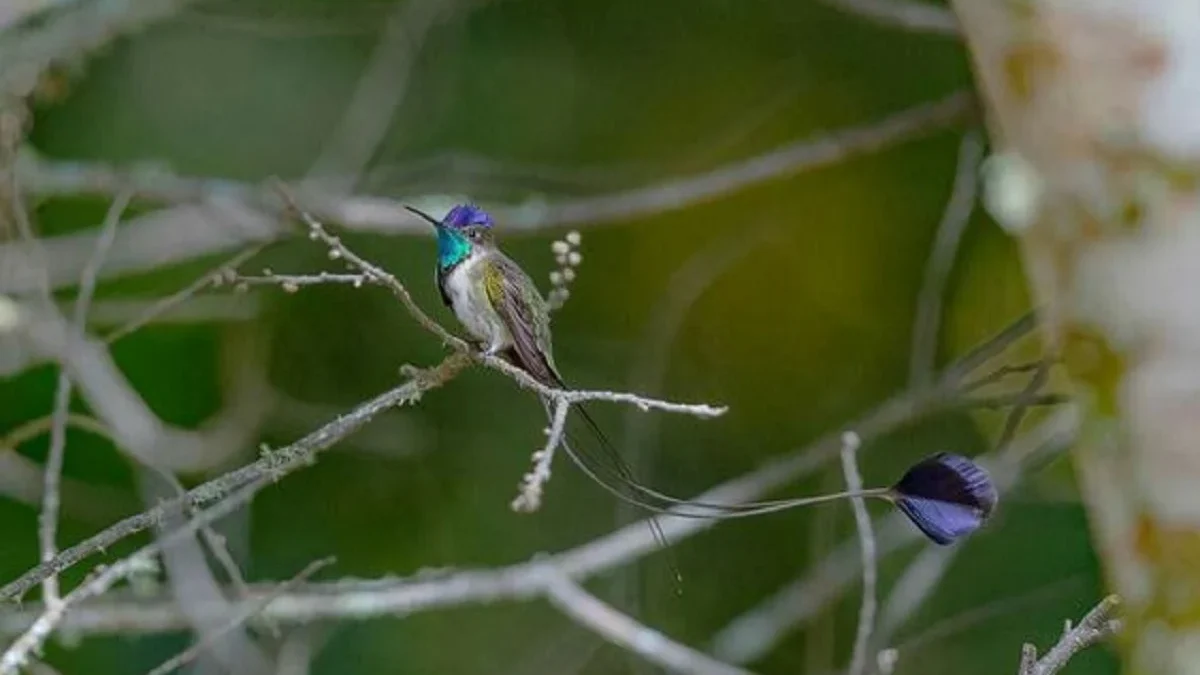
[{"x": 805, "y": 330}]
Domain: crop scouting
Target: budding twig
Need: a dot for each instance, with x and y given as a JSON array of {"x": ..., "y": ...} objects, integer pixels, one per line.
[{"x": 530, "y": 497}]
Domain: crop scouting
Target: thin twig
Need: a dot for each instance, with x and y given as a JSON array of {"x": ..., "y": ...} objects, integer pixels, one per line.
[
  {"x": 1025, "y": 399},
  {"x": 294, "y": 282},
  {"x": 30, "y": 430},
  {"x": 48, "y": 524},
  {"x": 191, "y": 581},
  {"x": 207, "y": 230},
  {"x": 622, "y": 630},
  {"x": 914, "y": 586},
  {"x": 530, "y": 497},
  {"x": 911, "y": 15},
  {"x": 1022, "y": 400},
  {"x": 249, "y": 611},
  {"x": 955, "y": 217},
  {"x": 1001, "y": 373},
  {"x": 1095, "y": 627},
  {"x": 439, "y": 589},
  {"x": 213, "y": 277},
  {"x": 754, "y": 633},
  {"x": 918, "y": 581},
  {"x": 72, "y": 32},
  {"x": 135, "y": 427},
  {"x": 275, "y": 464},
  {"x": 339, "y": 251},
  {"x": 397, "y": 597},
  {"x": 30, "y": 642},
  {"x": 377, "y": 96},
  {"x": 348, "y": 600},
  {"x": 866, "y": 541}
]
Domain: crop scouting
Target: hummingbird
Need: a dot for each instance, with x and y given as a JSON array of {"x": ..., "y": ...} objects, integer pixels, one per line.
[
  {"x": 945, "y": 496},
  {"x": 503, "y": 310},
  {"x": 505, "y": 313}
]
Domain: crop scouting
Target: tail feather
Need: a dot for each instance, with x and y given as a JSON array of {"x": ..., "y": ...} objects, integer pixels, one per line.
[{"x": 625, "y": 476}]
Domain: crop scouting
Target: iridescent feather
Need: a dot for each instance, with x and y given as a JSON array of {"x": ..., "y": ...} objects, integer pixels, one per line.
[{"x": 946, "y": 496}]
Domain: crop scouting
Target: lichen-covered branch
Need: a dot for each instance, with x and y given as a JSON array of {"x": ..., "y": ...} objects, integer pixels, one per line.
[
  {"x": 275, "y": 464},
  {"x": 398, "y": 597},
  {"x": 1095, "y": 627}
]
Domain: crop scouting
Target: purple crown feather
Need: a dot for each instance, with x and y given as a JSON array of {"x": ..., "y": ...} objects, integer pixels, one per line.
[
  {"x": 466, "y": 215},
  {"x": 946, "y": 496}
]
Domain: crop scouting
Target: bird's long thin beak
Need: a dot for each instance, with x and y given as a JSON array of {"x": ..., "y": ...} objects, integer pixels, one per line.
[{"x": 433, "y": 221}]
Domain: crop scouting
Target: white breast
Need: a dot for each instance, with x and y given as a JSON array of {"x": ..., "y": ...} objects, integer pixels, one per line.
[{"x": 464, "y": 285}]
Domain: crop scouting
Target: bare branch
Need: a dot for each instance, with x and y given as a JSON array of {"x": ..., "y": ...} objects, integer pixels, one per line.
[
  {"x": 866, "y": 541},
  {"x": 511, "y": 584},
  {"x": 274, "y": 464},
  {"x": 30, "y": 642},
  {"x": 213, "y": 278},
  {"x": 375, "y": 274},
  {"x": 81, "y": 28},
  {"x": 217, "y": 215},
  {"x": 918, "y": 581},
  {"x": 339, "y": 251},
  {"x": 239, "y": 618},
  {"x": 378, "y": 95},
  {"x": 530, "y": 497},
  {"x": 139, "y": 431},
  {"x": 397, "y": 597},
  {"x": 910, "y": 15},
  {"x": 48, "y": 525},
  {"x": 755, "y": 632},
  {"x": 955, "y": 217},
  {"x": 294, "y": 282},
  {"x": 1022, "y": 400},
  {"x": 134, "y": 426},
  {"x": 1095, "y": 627},
  {"x": 23, "y": 480},
  {"x": 192, "y": 581},
  {"x": 622, "y": 630},
  {"x": 1027, "y": 397}
]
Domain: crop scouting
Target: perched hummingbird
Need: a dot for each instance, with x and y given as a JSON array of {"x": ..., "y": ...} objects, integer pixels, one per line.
[
  {"x": 946, "y": 496},
  {"x": 503, "y": 310},
  {"x": 491, "y": 295}
]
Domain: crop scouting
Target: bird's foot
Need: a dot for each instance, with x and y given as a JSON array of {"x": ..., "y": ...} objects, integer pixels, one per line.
[{"x": 485, "y": 349}]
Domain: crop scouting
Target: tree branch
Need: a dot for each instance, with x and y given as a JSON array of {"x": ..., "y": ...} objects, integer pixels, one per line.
[
  {"x": 755, "y": 632},
  {"x": 622, "y": 630},
  {"x": 274, "y": 464},
  {"x": 398, "y": 597},
  {"x": 215, "y": 215},
  {"x": 530, "y": 497},
  {"x": 870, "y": 560},
  {"x": 26, "y": 51},
  {"x": 955, "y": 217},
  {"x": 240, "y": 617},
  {"x": 48, "y": 517},
  {"x": 1095, "y": 627}
]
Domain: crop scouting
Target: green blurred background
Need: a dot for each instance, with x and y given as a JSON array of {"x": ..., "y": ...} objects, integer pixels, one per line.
[{"x": 798, "y": 331}]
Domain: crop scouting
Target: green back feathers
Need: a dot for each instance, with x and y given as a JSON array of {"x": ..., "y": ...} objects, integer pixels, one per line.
[{"x": 515, "y": 297}]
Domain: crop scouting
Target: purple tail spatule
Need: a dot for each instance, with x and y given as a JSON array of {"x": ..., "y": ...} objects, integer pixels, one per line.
[{"x": 946, "y": 496}]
